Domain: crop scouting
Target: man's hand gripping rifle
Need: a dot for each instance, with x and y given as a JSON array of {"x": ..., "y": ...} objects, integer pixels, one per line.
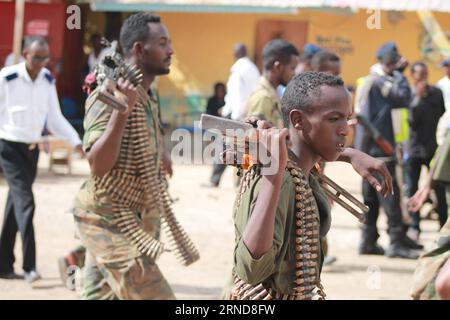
[
  {"x": 246, "y": 151},
  {"x": 107, "y": 74}
]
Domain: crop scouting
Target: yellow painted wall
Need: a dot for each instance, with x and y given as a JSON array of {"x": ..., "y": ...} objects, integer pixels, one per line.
[{"x": 203, "y": 45}]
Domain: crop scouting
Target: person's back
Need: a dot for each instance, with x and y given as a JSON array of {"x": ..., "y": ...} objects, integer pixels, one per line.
[
  {"x": 249, "y": 75},
  {"x": 244, "y": 77},
  {"x": 248, "y": 71},
  {"x": 444, "y": 83},
  {"x": 264, "y": 103},
  {"x": 423, "y": 121}
]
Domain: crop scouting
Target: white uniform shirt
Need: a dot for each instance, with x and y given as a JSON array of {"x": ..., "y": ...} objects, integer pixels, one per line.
[
  {"x": 444, "y": 85},
  {"x": 242, "y": 82},
  {"x": 26, "y": 106}
]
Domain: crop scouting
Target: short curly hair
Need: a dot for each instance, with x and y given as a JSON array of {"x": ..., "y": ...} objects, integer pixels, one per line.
[
  {"x": 135, "y": 28},
  {"x": 277, "y": 50},
  {"x": 320, "y": 59},
  {"x": 303, "y": 91}
]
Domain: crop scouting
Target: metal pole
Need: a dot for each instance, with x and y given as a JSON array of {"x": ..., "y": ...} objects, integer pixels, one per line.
[{"x": 18, "y": 29}]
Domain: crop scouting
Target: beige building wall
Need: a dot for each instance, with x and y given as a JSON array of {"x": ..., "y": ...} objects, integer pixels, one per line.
[{"x": 203, "y": 45}]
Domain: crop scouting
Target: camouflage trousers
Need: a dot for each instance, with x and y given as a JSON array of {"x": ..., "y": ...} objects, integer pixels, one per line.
[
  {"x": 77, "y": 256},
  {"x": 430, "y": 263},
  {"x": 134, "y": 279},
  {"x": 114, "y": 268}
]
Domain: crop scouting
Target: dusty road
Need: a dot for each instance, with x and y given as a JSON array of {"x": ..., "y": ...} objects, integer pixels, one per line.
[{"x": 206, "y": 215}]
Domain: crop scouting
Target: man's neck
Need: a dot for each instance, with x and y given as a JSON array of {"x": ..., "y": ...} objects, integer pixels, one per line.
[
  {"x": 271, "y": 78},
  {"x": 33, "y": 75},
  {"x": 147, "y": 79},
  {"x": 306, "y": 158},
  {"x": 416, "y": 83}
]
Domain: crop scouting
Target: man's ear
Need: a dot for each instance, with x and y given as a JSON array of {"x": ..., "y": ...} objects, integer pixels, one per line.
[
  {"x": 277, "y": 66},
  {"x": 296, "y": 118},
  {"x": 137, "y": 48}
]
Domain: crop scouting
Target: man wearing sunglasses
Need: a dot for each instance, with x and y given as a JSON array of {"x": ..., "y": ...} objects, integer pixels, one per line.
[{"x": 28, "y": 102}]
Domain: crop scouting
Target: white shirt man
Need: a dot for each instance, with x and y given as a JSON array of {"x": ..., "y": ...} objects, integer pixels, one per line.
[
  {"x": 28, "y": 102},
  {"x": 444, "y": 85},
  {"x": 242, "y": 82},
  {"x": 26, "y": 106}
]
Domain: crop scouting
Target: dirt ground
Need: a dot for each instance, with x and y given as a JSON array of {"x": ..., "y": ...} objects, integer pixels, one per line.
[{"x": 206, "y": 215}]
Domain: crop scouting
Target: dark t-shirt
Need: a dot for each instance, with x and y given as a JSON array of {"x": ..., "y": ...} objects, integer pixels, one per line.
[
  {"x": 214, "y": 105},
  {"x": 424, "y": 114}
]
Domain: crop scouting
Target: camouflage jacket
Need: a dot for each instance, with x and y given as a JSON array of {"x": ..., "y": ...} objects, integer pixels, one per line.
[
  {"x": 429, "y": 265},
  {"x": 276, "y": 268},
  {"x": 264, "y": 103},
  {"x": 93, "y": 207}
]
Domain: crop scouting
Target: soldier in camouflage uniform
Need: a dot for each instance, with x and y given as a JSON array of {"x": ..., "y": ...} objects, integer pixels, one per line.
[
  {"x": 432, "y": 274},
  {"x": 115, "y": 268},
  {"x": 430, "y": 265},
  {"x": 315, "y": 107},
  {"x": 279, "y": 61}
]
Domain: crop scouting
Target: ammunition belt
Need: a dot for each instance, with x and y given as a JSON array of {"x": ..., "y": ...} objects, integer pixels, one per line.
[
  {"x": 307, "y": 284},
  {"x": 135, "y": 183}
]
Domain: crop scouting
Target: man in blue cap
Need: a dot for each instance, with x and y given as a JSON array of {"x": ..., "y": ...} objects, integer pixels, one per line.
[
  {"x": 309, "y": 50},
  {"x": 304, "y": 62},
  {"x": 444, "y": 83},
  {"x": 385, "y": 88}
]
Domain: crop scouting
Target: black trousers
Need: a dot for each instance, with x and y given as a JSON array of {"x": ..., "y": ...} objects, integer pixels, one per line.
[
  {"x": 218, "y": 170},
  {"x": 19, "y": 165},
  {"x": 391, "y": 206},
  {"x": 413, "y": 168}
]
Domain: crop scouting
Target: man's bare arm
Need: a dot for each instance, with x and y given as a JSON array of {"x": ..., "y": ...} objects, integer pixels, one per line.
[
  {"x": 105, "y": 151},
  {"x": 259, "y": 232}
]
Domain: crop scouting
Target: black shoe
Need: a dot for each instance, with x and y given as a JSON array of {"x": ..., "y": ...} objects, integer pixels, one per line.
[
  {"x": 413, "y": 234},
  {"x": 63, "y": 265},
  {"x": 375, "y": 249},
  {"x": 31, "y": 276},
  {"x": 411, "y": 244},
  {"x": 329, "y": 260},
  {"x": 10, "y": 275},
  {"x": 209, "y": 185},
  {"x": 399, "y": 250}
]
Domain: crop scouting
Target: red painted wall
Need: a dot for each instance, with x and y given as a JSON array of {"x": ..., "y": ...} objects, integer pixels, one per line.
[
  {"x": 53, "y": 14},
  {"x": 65, "y": 45}
]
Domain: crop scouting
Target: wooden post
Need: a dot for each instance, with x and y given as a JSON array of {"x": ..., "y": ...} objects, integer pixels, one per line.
[{"x": 18, "y": 30}]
